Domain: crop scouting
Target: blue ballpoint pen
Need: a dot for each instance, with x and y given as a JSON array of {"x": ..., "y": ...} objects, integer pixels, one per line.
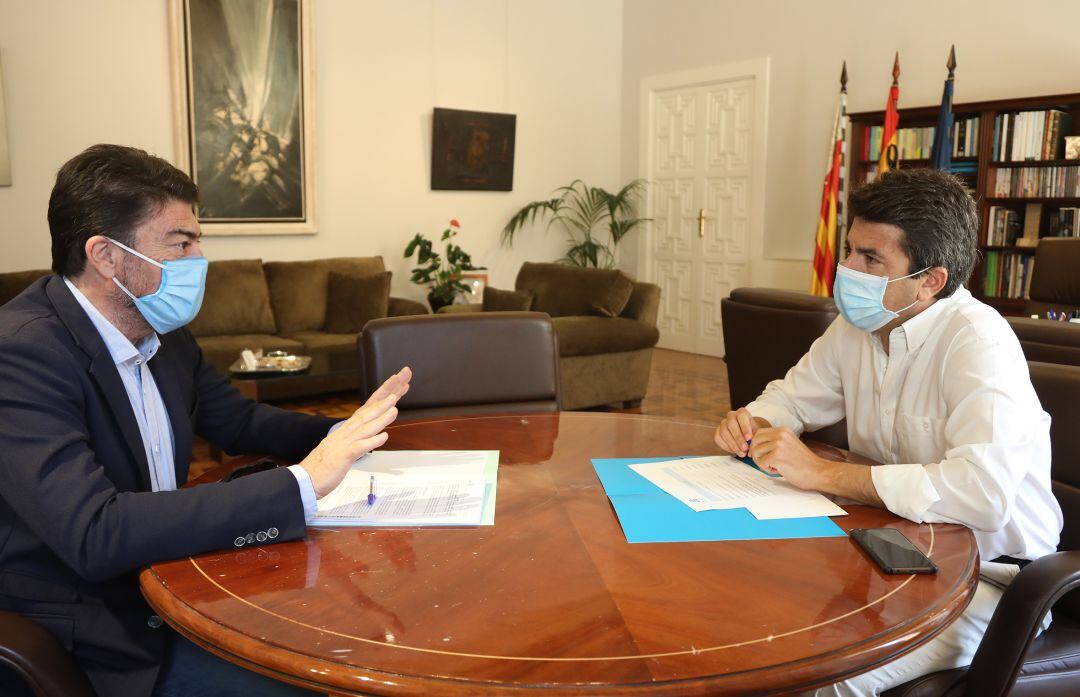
[{"x": 371, "y": 492}]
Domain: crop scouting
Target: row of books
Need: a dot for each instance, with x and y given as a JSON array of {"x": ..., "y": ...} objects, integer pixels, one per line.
[
  {"x": 1026, "y": 182},
  {"x": 1031, "y": 135},
  {"x": 1008, "y": 274},
  {"x": 918, "y": 143},
  {"x": 1005, "y": 227}
]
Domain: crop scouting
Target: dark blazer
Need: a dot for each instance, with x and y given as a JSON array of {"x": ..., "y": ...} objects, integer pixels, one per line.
[{"x": 77, "y": 516}]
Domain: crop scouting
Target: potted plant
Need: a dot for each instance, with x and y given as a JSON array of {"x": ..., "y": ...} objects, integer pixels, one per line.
[
  {"x": 595, "y": 220},
  {"x": 441, "y": 276}
]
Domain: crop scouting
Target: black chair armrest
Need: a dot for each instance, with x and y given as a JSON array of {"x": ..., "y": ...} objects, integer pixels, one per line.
[
  {"x": 1011, "y": 630},
  {"x": 39, "y": 659}
]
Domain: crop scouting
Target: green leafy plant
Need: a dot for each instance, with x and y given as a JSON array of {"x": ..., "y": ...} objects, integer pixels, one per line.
[
  {"x": 441, "y": 276},
  {"x": 595, "y": 220}
]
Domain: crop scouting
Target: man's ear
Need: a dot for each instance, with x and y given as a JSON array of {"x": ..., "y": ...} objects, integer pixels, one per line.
[
  {"x": 102, "y": 257},
  {"x": 934, "y": 280}
]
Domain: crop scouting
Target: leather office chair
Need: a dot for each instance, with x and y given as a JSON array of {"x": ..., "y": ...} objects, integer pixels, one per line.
[
  {"x": 1055, "y": 284},
  {"x": 766, "y": 332},
  {"x": 472, "y": 363},
  {"x": 1009, "y": 661},
  {"x": 30, "y": 653}
]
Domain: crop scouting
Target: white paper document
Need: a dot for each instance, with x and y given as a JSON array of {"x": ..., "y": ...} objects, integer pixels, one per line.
[
  {"x": 415, "y": 487},
  {"x": 720, "y": 482}
]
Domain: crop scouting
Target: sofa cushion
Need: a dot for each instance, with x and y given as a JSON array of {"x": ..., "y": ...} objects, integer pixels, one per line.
[
  {"x": 222, "y": 351},
  {"x": 563, "y": 291},
  {"x": 237, "y": 300},
  {"x": 496, "y": 300},
  {"x": 352, "y": 301},
  {"x": 11, "y": 284},
  {"x": 298, "y": 288},
  {"x": 588, "y": 336}
]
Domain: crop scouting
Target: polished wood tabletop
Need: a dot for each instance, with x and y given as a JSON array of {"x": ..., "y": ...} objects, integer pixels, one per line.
[{"x": 552, "y": 598}]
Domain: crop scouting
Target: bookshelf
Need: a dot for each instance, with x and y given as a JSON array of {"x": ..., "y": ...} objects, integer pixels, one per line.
[{"x": 1024, "y": 186}]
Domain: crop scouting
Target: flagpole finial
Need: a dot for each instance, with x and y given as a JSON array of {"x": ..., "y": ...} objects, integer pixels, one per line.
[
  {"x": 951, "y": 65},
  {"x": 843, "y": 78},
  {"x": 896, "y": 68}
]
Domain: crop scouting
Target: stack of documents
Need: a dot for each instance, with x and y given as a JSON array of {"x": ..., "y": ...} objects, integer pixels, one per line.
[
  {"x": 415, "y": 487},
  {"x": 706, "y": 499},
  {"x": 720, "y": 482}
]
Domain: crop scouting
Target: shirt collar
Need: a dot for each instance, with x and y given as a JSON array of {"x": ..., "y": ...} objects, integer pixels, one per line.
[
  {"x": 918, "y": 328},
  {"x": 120, "y": 348}
]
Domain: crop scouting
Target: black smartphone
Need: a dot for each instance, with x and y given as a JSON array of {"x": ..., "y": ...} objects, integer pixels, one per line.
[{"x": 893, "y": 552}]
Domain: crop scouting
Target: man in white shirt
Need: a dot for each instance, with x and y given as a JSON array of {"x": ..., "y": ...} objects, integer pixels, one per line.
[{"x": 933, "y": 383}]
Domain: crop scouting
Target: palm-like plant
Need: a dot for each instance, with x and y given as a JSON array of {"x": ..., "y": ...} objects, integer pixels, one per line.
[{"x": 585, "y": 213}]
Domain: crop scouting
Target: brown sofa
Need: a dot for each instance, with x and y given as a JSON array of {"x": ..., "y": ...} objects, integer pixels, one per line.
[
  {"x": 273, "y": 305},
  {"x": 603, "y": 359}
]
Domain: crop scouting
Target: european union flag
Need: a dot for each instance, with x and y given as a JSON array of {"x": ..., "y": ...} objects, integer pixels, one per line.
[{"x": 942, "y": 150}]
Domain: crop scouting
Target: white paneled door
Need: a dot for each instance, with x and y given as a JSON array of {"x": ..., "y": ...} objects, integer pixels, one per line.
[{"x": 701, "y": 142}]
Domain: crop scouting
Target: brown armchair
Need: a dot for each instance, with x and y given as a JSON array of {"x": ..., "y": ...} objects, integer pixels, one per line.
[
  {"x": 28, "y": 653},
  {"x": 472, "y": 363},
  {"x": 1055, "y": 285},
  {"x": 1011, "y": 660},
  {"x": 766, "y": 332}
]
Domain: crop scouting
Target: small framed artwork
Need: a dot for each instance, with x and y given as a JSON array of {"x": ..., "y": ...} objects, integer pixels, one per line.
[
  {"x": 476, "y": 282},
  {"x": 243, "y": 102},
  {"x": 472, "y": 150},
  {"x": 5, "y": 162}
]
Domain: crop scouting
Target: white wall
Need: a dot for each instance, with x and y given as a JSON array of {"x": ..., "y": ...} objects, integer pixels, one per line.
[
  {"x": 78, "y": 73},
  {"x": 1004, "y": 49}
]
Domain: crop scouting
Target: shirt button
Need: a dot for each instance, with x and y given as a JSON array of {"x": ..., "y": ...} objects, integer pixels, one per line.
[
  {"x": 250, "y": 538},
  {"x": 153, "y": 622},
  {"x": 260, "y": 536},
  {"x": 138, "y": 361},
  {"x": 239, "y": 542},
  {"x": 272, "y": 533}
]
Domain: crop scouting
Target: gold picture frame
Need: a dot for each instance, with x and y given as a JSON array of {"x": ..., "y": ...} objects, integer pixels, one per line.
[{"x": 243, "y": 106}]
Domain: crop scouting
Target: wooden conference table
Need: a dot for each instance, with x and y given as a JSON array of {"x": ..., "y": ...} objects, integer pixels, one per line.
[{"x": 552, "y": 599}]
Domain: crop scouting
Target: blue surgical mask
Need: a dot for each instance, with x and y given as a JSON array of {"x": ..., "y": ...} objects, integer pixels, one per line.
[
  {"x": 179, "y": 297},
  {"x": 860, "y": 298}
]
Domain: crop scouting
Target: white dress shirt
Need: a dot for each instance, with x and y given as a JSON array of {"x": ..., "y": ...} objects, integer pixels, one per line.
[
  {"x": 950, "y": 409},
  {"x": 149, "y": 408}
]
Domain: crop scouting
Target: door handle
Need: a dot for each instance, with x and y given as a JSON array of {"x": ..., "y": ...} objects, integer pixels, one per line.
[{"x": 701, "y": 218}]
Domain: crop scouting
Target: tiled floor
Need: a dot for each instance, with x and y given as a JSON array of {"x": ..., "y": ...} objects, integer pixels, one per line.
[{"x": 680, "y": 384}]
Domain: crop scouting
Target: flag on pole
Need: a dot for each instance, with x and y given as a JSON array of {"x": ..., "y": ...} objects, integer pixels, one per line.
[
  {"x": 942, "y": 152},
  {"x": 890, "y": 154},
  {"x": 831, "y": 219}
]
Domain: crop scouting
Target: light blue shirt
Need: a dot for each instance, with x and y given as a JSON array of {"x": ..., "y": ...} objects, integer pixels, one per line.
[{"x": 149, "y": 408}]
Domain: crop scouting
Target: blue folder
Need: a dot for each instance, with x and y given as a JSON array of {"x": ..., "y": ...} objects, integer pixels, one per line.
[{"x": 647, "y": 513}]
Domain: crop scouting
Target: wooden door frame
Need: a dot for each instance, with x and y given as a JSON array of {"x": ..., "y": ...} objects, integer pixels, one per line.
[{"x": 758, "y": 70}]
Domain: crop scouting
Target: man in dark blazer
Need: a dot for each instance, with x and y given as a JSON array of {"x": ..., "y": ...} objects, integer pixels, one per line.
[{"x": 102, "y": 391}]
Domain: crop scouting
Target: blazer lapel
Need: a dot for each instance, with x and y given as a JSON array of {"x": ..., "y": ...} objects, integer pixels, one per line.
[{"x": 102, "y": 370}]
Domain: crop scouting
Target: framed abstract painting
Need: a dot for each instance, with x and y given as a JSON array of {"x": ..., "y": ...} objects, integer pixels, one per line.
[{"x": 243, "y": 102}]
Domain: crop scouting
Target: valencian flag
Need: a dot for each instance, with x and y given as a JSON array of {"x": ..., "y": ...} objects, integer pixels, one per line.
[
  {"x": 830, "y": 222},
  {"x": 942, "y": 152},
  {"x": 889, "y": 152}
]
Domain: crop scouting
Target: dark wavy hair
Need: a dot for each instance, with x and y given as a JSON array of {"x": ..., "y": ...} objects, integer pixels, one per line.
[
  {"x": 937, "y": 215},
  {"x": 109, "y": 190}
]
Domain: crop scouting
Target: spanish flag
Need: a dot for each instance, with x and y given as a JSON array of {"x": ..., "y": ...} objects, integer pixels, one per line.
[
  {"x": 832, "y": 215},
  {"x": 890, "y": 154}
]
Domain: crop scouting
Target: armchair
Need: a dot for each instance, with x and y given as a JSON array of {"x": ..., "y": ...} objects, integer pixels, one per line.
[
  {"x": 1011, "y": 660},
  {"x": 1055, "y": 285},
  {"x": 766, "y": 332}
]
